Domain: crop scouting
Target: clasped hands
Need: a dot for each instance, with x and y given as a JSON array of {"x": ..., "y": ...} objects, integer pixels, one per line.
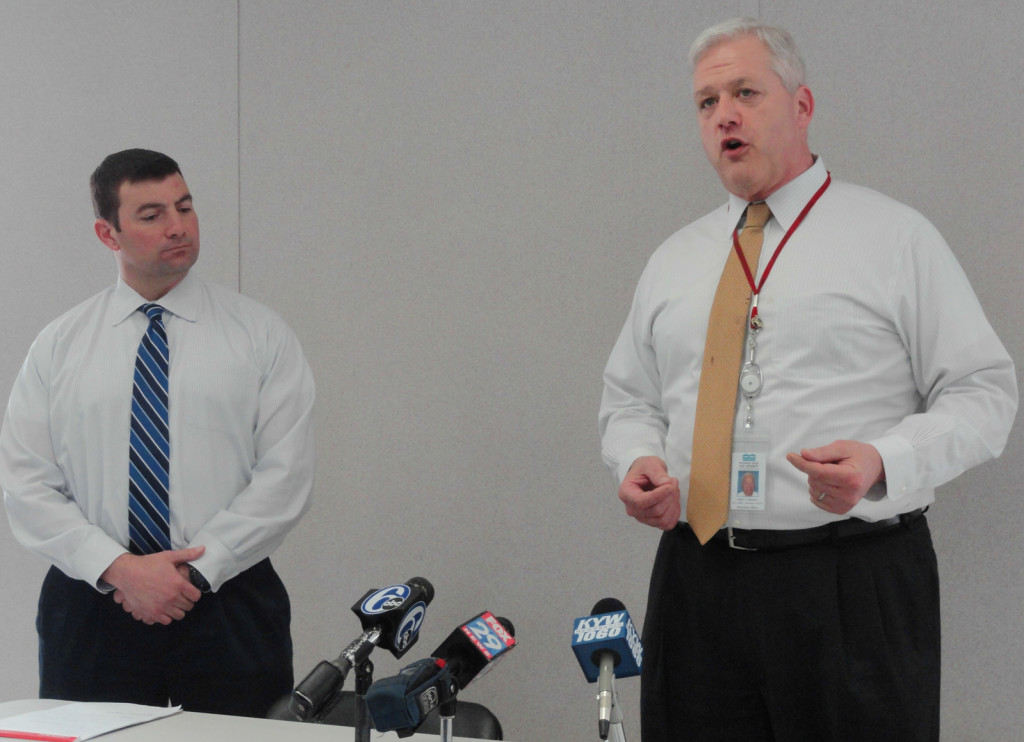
[
  {"x": 154, "y": 588},
  {"x": 838, "y": 476}
]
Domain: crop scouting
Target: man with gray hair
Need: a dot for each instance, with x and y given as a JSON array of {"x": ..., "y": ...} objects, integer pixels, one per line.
[{"x": 824, "y": 338}]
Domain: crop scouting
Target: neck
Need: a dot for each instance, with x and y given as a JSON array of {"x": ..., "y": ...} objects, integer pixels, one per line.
[
  {"x": 800, "y": 167},
  {"x": 153, "y": 290}
]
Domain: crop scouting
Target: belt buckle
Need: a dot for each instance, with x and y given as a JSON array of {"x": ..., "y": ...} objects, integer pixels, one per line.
[{"x": 732, "y": 541}]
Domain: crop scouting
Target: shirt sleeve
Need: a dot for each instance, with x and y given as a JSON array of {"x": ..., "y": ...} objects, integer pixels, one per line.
[
  {"x": 632, "y": 421},
  {"x": 259, "y": 517},
  {"x": 963, "y": 373},
  {"x": 43, "y": 515}
]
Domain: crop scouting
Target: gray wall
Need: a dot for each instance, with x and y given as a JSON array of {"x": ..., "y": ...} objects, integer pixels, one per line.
[{"x": 451, "y": 203}]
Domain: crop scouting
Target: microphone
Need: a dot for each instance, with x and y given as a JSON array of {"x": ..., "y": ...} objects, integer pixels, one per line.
[
  {"x": 397, "y": 611},
  {"x": 390, "y": 617},
  {"x": 401, "y": 703},
  {"x": 607, "y": 645},
  {"x": 476, "y": 646}
]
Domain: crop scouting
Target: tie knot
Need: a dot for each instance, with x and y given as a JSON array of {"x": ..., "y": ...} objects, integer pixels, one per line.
[
  {"x": 153, "y": 311},
  {"x": 758, "y": 215}
]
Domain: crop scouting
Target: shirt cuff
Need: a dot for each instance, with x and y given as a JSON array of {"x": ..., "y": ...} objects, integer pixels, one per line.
[
  {"x": 898, "y": 459},
  {"x": 217, "y": 564},
  {"x": 98, "y": 553},
  {"x": 630, "y": 457}
]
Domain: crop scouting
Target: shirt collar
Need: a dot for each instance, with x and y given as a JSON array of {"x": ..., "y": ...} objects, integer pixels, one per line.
[
  {"x": 182, "y": 301},
  {"x": 787, "y": 202}
]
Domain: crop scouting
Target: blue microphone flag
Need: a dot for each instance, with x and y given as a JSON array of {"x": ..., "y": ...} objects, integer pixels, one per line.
[{"x": 607, "y": 632}]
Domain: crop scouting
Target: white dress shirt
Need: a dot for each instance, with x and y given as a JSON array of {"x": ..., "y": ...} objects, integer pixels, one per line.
[
  {"x": 871, "y": 333},
  {"x": 240, "y": 413}
]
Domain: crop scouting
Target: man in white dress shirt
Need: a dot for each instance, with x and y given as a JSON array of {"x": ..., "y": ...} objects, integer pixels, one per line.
[
  {"x": 205, "y": 621},
  {"x": 813, "y": 613}
]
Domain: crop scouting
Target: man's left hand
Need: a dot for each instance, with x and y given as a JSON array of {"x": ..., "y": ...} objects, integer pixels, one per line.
[{"x": 839, "y": 474}]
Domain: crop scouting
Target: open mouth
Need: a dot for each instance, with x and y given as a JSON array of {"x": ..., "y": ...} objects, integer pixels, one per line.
[{"x": 731, "y": 144}]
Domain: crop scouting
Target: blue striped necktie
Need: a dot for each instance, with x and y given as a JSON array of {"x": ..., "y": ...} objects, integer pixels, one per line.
[{"x": 149, "y": 457}]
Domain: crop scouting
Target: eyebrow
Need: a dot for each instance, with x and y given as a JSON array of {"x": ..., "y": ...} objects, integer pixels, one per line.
[
  {"x": 160, "y": 205},
  {"x": 731, "y": 84}
]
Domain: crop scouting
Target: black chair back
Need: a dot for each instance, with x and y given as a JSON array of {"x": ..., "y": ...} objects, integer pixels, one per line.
[{"x": 472, "y": 720}]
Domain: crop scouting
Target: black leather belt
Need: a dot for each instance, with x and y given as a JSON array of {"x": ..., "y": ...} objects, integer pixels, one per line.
[{"x": 767, "y": 540}]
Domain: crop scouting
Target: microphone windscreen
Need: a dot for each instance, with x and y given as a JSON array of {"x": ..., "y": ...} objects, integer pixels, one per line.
[
  {"x": 607, "y": 605},
  {"x": 423, "y": 584},
  {"x": 508, "y": 625}
]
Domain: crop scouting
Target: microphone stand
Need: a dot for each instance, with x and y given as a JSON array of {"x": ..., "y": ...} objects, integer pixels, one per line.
[
  {"x": 446, "y": 712},
  {"x": 364, "y": 678},
  {"x": 615, "y": 731}
]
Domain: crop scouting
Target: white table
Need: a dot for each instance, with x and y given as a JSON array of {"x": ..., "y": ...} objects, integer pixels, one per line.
[{"x": 189, "y": 726}]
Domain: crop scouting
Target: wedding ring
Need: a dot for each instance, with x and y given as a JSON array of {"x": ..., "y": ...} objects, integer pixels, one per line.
[{"x": 822, "y": 496}]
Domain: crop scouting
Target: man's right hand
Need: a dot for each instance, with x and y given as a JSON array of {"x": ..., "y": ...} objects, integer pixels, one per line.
[
  {"x": 650, "y": 494},
  {"x": 151, "y": 588}
]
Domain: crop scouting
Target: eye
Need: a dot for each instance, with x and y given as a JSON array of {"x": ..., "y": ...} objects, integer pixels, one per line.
[
  {"x": 745, "y": 93},
  {"x": 706, "y": 103}
]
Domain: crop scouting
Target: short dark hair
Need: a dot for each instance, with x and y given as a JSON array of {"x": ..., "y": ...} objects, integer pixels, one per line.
[{"x": 127, "y": 166}]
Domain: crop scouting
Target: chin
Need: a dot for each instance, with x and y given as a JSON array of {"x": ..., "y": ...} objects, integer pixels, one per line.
[
  {"x": 743, "y": 190},
  {"x": 734, "y": 181}
]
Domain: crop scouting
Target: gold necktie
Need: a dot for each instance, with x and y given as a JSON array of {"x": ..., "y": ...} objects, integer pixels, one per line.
[{"x": 707, "y": 506}]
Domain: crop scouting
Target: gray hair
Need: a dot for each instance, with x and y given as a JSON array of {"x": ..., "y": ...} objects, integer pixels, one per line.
[{"x": 785, "y": 57}]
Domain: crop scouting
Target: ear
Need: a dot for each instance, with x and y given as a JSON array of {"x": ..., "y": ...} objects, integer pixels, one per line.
[
  {"x": 107, "y": 234},
  {"x": 804, "y": 105}
]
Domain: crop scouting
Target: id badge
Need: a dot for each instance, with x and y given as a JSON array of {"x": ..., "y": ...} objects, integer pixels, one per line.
[{"x": 749, "y": 472}]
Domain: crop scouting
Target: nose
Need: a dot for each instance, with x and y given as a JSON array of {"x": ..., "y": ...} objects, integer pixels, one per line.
[
  {"x": 726, "y": 112},
  {"x": 175, "y": 224}
]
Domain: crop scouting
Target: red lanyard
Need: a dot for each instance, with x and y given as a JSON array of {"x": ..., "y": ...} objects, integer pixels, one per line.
[{"x": 756, "y": 289}]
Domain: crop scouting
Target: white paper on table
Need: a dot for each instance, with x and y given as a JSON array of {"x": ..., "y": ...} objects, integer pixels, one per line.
[{"x": 82, "y": 721}]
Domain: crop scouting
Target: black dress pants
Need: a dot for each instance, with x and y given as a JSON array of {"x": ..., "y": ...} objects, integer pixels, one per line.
[
  {"x": 231, "y": 654},
  {"x": 832, "y": 642}
]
